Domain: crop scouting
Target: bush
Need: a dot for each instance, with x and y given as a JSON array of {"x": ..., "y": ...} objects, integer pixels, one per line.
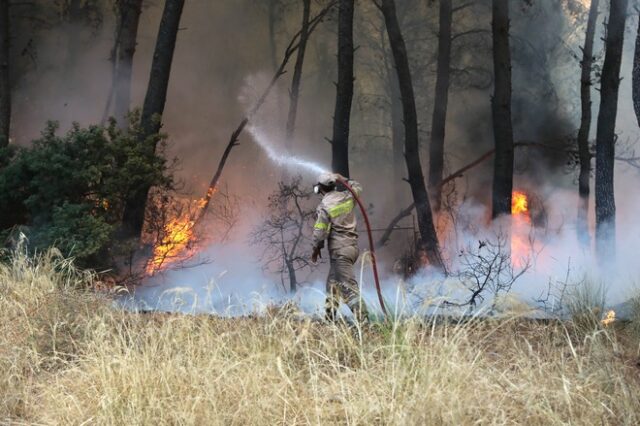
[{"x": 69, "y": 191}]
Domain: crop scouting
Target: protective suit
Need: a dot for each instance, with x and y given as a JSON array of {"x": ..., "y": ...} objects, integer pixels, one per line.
[{"x": 336, "y": 223}]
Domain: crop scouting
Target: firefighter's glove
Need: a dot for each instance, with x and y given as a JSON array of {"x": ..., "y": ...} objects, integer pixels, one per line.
[
  {"x": 339, "y": 177},
  {"x": 315, "y": 255}
]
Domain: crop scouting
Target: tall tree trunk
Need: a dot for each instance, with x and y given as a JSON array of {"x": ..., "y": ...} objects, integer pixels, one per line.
[
  {"x": 501, "y": 111},
  {"x": 436, "y": 148},
  {"x": 272, "y": 6},
  {"x": 294, "y": 93},
  {"x": 605, "y": 136},
  {"x": 635, "y": 77},
  {"x": 585, "y": 125},
  {"x": 395, "y": 112},
  {"x": 154, "y": 101},
  {"x": 397, "y": 128},
  {"x": 395, "y": 105},
  {"x": 344, "y": 92},
  {"x": 128, "y": 17},
  {"x": 428, "y": 237},
  {"x": 5, "y": 88}
]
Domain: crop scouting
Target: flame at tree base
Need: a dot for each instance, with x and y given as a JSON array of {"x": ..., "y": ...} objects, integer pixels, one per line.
[
  {"x": 177, "y": 239},
  {"x": 520, "y": 229},
  {"x": 178, "y": 235}
]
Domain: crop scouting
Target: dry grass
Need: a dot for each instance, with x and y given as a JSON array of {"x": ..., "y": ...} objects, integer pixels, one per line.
[{"x": 67, "y": 357}]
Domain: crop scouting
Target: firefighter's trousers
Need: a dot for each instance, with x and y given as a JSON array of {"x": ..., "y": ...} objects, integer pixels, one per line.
[{"x": 342, "y": 284}]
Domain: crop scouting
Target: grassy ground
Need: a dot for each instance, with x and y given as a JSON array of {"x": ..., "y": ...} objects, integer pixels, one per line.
[{"x": 67, "y": 357}]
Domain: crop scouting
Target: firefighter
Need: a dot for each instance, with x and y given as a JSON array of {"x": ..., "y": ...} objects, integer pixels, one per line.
[{"x": 336, "y": 223}]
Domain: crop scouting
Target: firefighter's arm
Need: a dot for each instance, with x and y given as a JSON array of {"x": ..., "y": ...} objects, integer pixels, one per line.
[
  {"x": 355, "y": 185},
  {"x": 321, "y": 228}
]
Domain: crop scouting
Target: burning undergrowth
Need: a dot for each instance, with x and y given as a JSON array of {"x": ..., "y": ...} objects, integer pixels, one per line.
[
  {"x": 538, "y": 262},
  {"x": 178, "y": 227}
]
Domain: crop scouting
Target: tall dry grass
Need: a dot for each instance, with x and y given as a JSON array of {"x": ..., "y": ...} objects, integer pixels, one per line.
[{"x": 68, "y": 357}]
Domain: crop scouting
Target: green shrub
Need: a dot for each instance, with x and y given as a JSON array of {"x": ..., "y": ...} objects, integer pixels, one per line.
[{"x": 69, "y": 191}]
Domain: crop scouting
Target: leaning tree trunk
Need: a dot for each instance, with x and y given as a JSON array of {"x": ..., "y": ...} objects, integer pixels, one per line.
[
  {"x": 428, "y": 237},
  {"x": 5, "y": 88},
  {"x": 294, "y": 93},
  {"x": 154, "y": 101},
  {"x": 344, "y": 93},
  {"x": 128, "y": 17},
  {"x": 501, "y": 111},
  {"x": 436, "y": 148},
  {"x": 605, "y": 137},
  {"x": 585, "y": 125},
  {"x": 635, "y": 77}
]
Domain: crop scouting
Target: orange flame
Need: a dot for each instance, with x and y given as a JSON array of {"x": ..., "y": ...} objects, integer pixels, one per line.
[
  {"x": 178, "y": 237},
  {"x": 521, "y": 225},
  {"x": 609, "y": 318},
  {"x": 520, "y": 204},
  {"x": 178, "y": 233}
]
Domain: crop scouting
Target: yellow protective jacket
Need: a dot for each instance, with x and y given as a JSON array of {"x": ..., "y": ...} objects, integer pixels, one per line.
[{"x": 336, "y": 219}]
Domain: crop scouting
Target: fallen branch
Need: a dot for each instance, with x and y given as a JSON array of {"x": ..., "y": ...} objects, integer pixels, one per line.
[{"x": 293, "y": 46}]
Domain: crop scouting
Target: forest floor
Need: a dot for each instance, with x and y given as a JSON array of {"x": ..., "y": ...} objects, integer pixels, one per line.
[{"x": 68, "y": 356}]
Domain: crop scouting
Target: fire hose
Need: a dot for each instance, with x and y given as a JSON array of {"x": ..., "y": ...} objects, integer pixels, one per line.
[{"x": 372, "y": 251}]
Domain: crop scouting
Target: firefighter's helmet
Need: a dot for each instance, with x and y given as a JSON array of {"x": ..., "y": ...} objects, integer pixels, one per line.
[{"x": 325, "y": 180}]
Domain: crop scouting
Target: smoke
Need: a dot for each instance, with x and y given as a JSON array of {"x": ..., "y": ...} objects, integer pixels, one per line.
[{"x": 213, "y": 84}]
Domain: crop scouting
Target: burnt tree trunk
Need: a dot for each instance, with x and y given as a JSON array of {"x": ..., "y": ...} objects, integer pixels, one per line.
[
  {"x": 436, "y": 148},
  {"x": 635, "y": 77},
  {"x": 344, "y": 91},
  {"x": 605, "y": 136},
  {"x": 501, "y": 111},
  {"x": 294, "y": 92},
  {"x": 585, "y": 125},
  {"x": 5, "y": 87},
  {"x": 428, "y": 237},
  {"x": 154, "y": 101},
  {"x": 128, "y": 17}
]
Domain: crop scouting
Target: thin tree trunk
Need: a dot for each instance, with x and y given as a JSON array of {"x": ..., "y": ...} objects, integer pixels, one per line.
[
  {"x": 635, "y": 77},
  {"x": 294, "y": 93},
  {"x": 129, "y": 17},
  {"x": 397, "y": 129},
  {"x": 585, "y": 126},
  {"x": 293, "y": 280},
  {"x": 436, "y": 148},
  {"x": 501, "y": 111},
  {"x": 344, "y": 93},
  {"x": 605, "y": 137},
  {"x": 154, "y": 101},
  {"x": 272, "y": 6},
  {"x": 5, "y": 87},
  {"x": 428, "y": 237}
]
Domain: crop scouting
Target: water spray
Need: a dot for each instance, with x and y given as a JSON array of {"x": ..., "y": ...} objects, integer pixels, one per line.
[{"x": 268, "y": 146}]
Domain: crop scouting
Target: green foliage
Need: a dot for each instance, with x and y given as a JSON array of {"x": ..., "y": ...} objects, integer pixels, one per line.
[{"x": 69, "y": 191}]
